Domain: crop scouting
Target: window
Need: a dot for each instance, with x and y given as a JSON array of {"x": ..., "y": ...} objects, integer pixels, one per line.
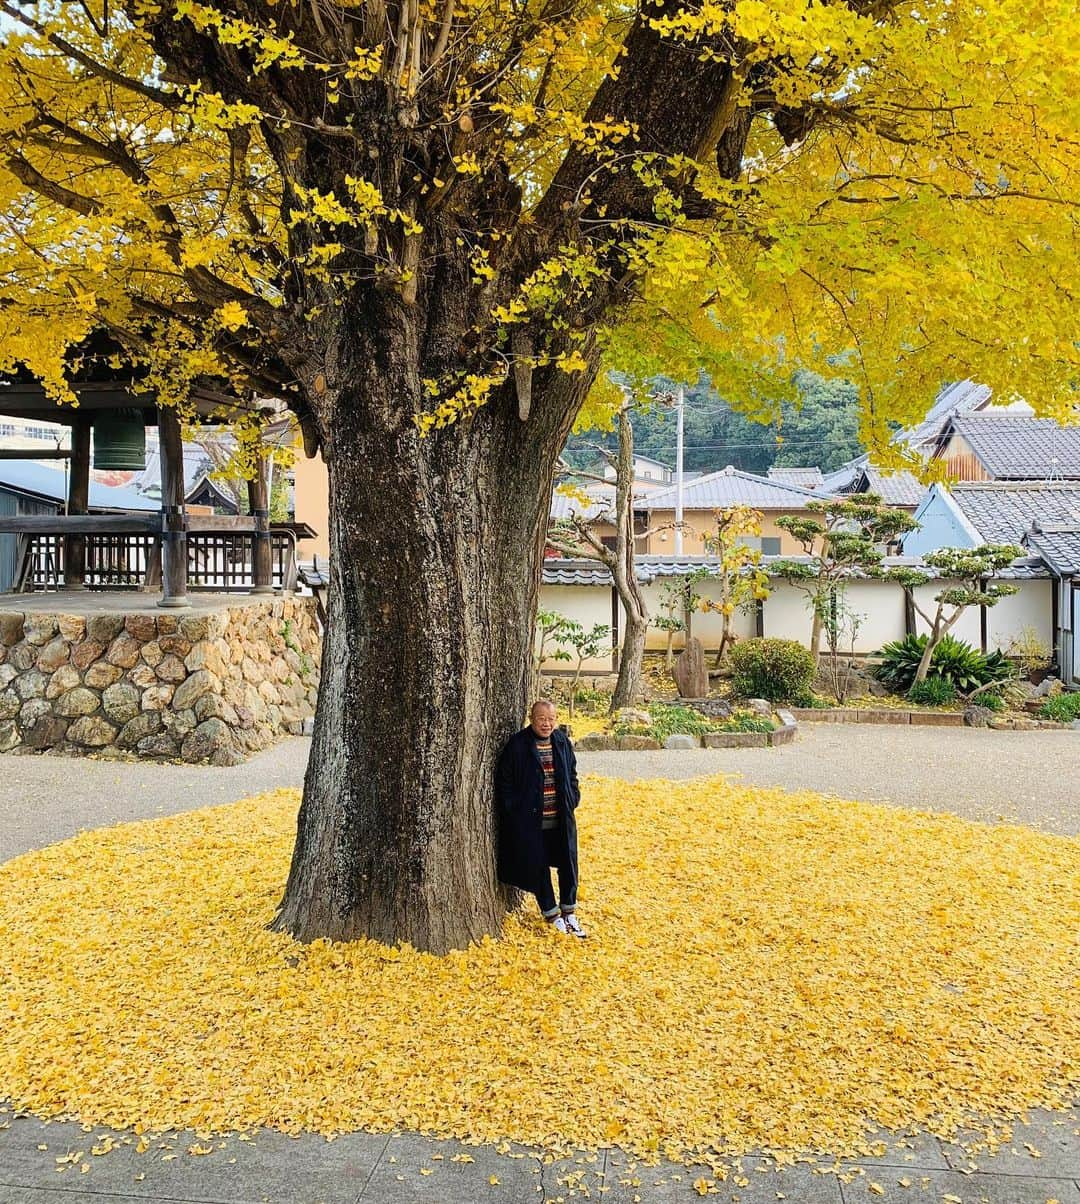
[{"x": 770, "y": 545}]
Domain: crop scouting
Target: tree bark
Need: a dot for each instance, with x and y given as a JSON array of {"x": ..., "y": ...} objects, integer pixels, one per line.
[
  {"x": 436, "y": 551},
  {"x": 632, "y": 652}
]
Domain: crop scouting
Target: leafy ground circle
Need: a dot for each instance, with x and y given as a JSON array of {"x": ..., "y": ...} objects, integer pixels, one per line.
[{"x": 766, "y": 970}]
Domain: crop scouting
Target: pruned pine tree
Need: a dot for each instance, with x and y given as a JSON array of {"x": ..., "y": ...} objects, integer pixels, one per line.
[{"x": 967, "y": 580}]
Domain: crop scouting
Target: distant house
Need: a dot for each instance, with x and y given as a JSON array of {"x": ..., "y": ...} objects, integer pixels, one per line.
[
  {"x": 900, "y": 490},
  {"x": 963, "y": 397},
  {"x": 805, "y": 478},
  {"x": 720, "y": 491},
  {"x": 648, "y": 473},
  {"x": 1042, "y": 517},
  {"x": 968, "y": 514},
  {"x": 903, "y": 490},
  {"x": 1008, "y": 447},
  {"x": 208, "y": 494},
  {"x": 27, "y": 487},
  {"x": 148, "y": 482}
]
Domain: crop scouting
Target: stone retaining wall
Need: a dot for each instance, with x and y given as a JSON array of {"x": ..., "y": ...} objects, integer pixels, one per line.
[
  {"x": 202, "y": 686},
  {"x": 916, "y": 718}
]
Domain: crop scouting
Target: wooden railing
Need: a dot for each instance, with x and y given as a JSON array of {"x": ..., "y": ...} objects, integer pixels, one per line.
[
  {"x": 123, "y": 552},
  {"x": 216, "y": 563}
]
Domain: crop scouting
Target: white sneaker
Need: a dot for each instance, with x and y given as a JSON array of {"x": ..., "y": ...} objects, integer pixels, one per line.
[
  {"x": 571, "y": 925},
  {"x": 559, "y": 924}
]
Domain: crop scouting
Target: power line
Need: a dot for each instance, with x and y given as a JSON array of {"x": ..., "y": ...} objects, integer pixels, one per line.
[{"x": 645, "y": 449}]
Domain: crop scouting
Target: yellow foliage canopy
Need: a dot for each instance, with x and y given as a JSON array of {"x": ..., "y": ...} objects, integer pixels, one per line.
[{"x": 883, "y": 191}]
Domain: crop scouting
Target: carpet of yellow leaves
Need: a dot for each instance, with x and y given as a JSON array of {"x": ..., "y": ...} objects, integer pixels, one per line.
[
  {"x": 764, "y": 970},
  {"x": 585, "y": 725}
]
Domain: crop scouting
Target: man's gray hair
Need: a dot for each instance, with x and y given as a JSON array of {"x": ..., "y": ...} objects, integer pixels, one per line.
[{"x": 542, "y": 702}]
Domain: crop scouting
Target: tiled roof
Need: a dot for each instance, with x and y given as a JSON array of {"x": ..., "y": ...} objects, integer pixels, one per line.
[
  {"x": 805, "y": 478},
  {"x": 960, "y": 398},
  {"x": 1059, "y": 546},
  {"x": 895, "y": 489},
  {"x": 730, "y": 487},
  {"x": 603, "y": 504},
  {"x": 1019, "y": 447},
  {"x": 840, "y": 479},
  {"x": 650, "y": 568},
  {"x": 39, "y": 479},
  {"x": 1001, "y": 511},
  {"x": 564, "y": 571}
]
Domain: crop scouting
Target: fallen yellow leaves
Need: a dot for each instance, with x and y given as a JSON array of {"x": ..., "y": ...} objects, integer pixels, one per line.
[{"x": 764, "y": 970}]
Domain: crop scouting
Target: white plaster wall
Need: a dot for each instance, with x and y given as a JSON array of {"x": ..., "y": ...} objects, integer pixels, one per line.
[
  {"x": 879, "y": 606},
  {"x": 588, "y": 605},
  {"x": 1031, "y": 607},
  {"x": 707, "y": 625},
  {"x": 787, "y": 614}
]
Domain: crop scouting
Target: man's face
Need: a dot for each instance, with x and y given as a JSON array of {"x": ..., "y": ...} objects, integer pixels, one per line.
[{"x": 543, "y": 721}]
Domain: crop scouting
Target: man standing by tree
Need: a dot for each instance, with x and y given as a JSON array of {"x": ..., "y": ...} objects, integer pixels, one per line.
[{"x": 536, "y": 791}]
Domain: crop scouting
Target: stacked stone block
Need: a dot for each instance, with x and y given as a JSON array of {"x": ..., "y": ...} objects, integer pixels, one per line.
[{"x": 206, "y": 686}]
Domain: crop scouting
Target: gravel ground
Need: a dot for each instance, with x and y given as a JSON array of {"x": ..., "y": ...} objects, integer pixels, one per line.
[{"x": 1025, "y": 777}]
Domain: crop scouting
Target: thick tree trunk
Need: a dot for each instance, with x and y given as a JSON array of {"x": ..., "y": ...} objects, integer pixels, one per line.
[{"x": 436, "y": 547}]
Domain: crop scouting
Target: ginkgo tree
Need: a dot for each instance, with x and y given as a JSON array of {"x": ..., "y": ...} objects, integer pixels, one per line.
[{"x": 421, "y": 223}]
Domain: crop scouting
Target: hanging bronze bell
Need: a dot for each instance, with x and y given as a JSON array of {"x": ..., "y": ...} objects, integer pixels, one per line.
[{"x": 120, "y": 440}]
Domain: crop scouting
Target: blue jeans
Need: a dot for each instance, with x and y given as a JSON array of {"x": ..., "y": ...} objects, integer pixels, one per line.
[{"x": 555, "y": 850}]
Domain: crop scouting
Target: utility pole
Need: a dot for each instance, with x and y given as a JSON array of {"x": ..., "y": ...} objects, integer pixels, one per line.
[{"x": 679, "y": 407}]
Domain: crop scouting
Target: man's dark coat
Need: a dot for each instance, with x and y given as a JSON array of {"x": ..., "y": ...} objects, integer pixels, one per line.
[{"x": 519, "y": 797}]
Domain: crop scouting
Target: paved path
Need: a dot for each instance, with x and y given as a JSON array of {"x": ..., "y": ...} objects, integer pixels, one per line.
[
  {"x": 1032, "y": 777},
  {"x": 1026, "y": 776}
]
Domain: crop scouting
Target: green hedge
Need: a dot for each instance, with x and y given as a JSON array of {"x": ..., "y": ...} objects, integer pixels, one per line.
[{"x": 779, "y": 670}]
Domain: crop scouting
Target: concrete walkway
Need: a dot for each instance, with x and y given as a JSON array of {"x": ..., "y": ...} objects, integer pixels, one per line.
[{"x": 1030, "y": 777}]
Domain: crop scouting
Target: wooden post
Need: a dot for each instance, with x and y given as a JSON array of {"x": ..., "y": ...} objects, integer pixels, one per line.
[
  {"x": 174, "y": 553},
  {"x": 78, "y": 502},
  {"x": 262, "y": 560}
]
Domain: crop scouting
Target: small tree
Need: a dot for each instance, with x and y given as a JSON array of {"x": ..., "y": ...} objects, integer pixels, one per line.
[
  {"x": 550, "y": 626},
  {"x": 741, "y": 579},
  {"x": 968, "y": 568},
  {"x": 586, "y": 645},
  {"x": 575, "y": 536},
  {"x": 841, "y": 628},
  {"x": 689, "y": 596},
  {"x": 850, "y": 536},
  {"x": 669, "y": 622}
]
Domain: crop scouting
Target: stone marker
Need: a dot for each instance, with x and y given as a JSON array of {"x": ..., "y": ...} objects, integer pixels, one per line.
[{"x": 690, "y": 673}]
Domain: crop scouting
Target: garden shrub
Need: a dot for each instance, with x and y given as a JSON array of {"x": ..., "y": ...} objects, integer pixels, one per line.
[
  {"x": 669, "y": 720},
  {"x": 1065, "y": 708},
  {"x": 964, "y": 666},
  {"x": 934, "y": 692},
  {"x": 779, "y": 670}
]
